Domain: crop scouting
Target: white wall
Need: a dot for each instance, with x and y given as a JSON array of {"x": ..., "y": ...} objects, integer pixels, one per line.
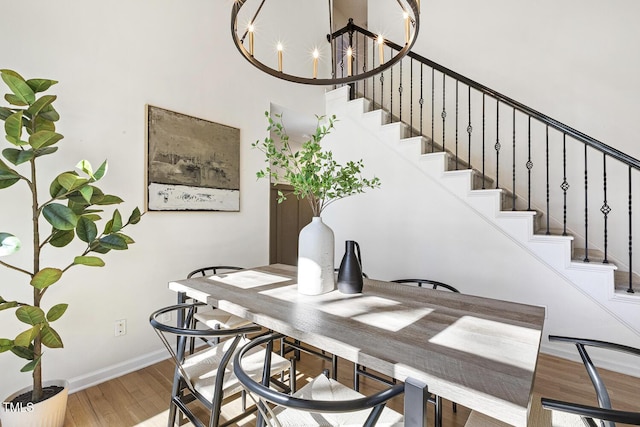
[
  {"x": 572, "y": 60},
  {"x": 112, "y": 59}
]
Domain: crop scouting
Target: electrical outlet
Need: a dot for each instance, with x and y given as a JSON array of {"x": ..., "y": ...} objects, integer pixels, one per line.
[
  {"x": 120, "y": 327},
  {"x": 165, "y": 317}
]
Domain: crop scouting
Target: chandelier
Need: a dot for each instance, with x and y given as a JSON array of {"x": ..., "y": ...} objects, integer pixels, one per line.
[{"x": 316, "y": 51}]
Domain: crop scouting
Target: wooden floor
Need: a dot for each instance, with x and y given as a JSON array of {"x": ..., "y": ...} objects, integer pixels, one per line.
[{"x": 141, "y": 398}]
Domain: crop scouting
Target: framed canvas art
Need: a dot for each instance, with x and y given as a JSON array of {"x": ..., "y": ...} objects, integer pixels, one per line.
[{"x": 192, "y": 164}]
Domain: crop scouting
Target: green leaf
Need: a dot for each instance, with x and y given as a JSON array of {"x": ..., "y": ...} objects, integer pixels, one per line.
[
  {"x": 46, "y": 277},
  {"x": 13, "y": 126},
  {"x": 86, "y": 229},
  {"x": 31, "y": 365},
  {"x": 30, "y": 315},
  {"x": 102, "y": 170},
  {"x": 44, "y": 138},
  {"x": 50, "y": 113},
  {"x": 87, "y": 192},
  {"x": 50, "y": 337},
  {"x": 92, "y": 216},
  {"x": 56, "y": 312},
  {"x": 25, "y": 338},
  {"x": 135, "y": 216},
  {"x": 70, "y": 180},
  {"x": 60, "y": 216},
  {"x": 14, "y": 100},
  {"x": 5, "y": 345},
  {"x": 109, "y": 200},
  {"x": 114, "y": 241},
  {"x": 5, "y": 113},
  {"x": 128, "y": 240},
  {"x": 9, "y": 244},
  {"x": 23, "y": 352},
  {"x": 17, "y": 156},
  {"x": 90, "y": 261},
  {"x": 40, "y": 123},
  {"x": 100, "y": 249},
  {"x": 40, "y": 104},
  {"x": 8, "y": 304},
  {"x": 40, "y": 85},
  {"x": 116, "y": 221},
  {"x": 85, "y": 167},
  {"x": 19, "y": 87},
  {"x": 8, "y": 178},
  {"x": 61, "y": 238},
  {"x": 45, "y": 151}
]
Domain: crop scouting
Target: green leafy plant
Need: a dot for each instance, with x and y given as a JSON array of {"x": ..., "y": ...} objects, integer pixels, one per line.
[
  {"x": 311, "y": 171},
  {"x": 72, "y": 209}
]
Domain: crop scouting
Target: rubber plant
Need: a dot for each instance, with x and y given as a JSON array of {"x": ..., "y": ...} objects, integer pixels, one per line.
[
  {"x": 70, "y": 211},
  {"x": 311, "y": 171}
]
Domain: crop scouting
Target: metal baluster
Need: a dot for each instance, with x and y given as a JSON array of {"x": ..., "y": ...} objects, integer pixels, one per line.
[
  {"x": 421, "y": 102},
  {"x": 547, "y": 160},
  {"x": 630, "y": 289},
  {"x": 469, "y": 128},
  {"x": 364, "y": 66},
  {"x": 565, "y": 185},
  {"x": 456, "y": 125},
  {"x": 514, "y": 161},
  {"x": 605, "y": 209},
  {"x": 483, "y": 135},
  {"x": 391, "y": 93},
  {"x": 444, "y": 111},
  {"x": 382, "y": 90},
  {"x": 433, "y": 108},
  {"x": 586, "y": 208},
  {"x": 411, "y": 96},
  {"x": 373, "y": 79},
  {"x": 400, "y": 94},
  {"x": 529, "y": 165},
  {"x": 497, "y": 146}
]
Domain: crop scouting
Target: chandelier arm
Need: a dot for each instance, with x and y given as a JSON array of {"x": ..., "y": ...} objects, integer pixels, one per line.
[{"x": 252, "y": 21}]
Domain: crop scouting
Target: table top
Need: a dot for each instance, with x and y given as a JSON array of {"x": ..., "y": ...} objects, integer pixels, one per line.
[{"x": 478, "y": 352}]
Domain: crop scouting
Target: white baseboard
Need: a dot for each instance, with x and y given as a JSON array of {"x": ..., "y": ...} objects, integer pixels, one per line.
[{"x": 110, "y": 372}]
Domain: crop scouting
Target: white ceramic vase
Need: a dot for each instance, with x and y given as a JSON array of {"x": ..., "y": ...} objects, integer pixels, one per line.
[
  {"x": 48, "y": 413},
  {"x": 316, "y": 258}
]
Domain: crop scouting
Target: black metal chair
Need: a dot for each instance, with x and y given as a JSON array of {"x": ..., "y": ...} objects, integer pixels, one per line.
[
  {"x": 322, "y": 402},
  {"x": 214, "y": 318},
  {"x": 604, "y": 412},
  {"x": 206, "y": 374},
  {"x": 359, "y": 370}
]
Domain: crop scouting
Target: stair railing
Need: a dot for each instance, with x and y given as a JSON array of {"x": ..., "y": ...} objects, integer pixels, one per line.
[{"x": 519, "y": 137}]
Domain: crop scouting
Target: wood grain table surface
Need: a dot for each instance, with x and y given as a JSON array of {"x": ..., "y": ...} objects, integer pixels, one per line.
[{"x": 479, "y": 352}]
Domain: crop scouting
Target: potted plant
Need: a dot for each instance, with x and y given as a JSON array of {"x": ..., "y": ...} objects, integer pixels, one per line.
[
  {"x": 318, "y": 178},
  {"x": 69, "y": 211}
]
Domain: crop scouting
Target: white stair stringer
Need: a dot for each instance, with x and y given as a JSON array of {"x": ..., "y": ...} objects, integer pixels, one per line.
[{"x": 594, "y": 280}]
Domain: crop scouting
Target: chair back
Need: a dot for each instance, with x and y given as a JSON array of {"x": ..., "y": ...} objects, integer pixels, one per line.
[
  {"x": 423, "y": 283},
  {"x": 210, "y": 271},
  {"x": 183, "y": 331},
  {"x": 607, "y": 416},
  {"x": 375, "y": 403}
]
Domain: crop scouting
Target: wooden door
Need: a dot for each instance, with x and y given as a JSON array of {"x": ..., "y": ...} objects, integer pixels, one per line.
[{"x": 286, "y": 221}]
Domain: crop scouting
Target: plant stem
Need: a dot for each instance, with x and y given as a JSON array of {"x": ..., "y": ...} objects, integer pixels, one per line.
[
  {"x": 13, "y": 267},
  {"x": 37, "y": 293}
]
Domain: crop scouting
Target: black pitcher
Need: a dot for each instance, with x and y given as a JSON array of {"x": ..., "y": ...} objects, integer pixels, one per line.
[{"x": 350, "y": 273}]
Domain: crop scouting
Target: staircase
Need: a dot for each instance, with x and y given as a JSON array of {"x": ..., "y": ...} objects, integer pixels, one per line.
[{"x": 528, "y": 227}]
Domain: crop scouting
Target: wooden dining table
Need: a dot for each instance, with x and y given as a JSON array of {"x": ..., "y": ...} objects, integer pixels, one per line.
[{"x": 478, "y": 352}]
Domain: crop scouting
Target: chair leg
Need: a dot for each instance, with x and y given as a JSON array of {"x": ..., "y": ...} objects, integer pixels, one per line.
[
  {"x": 356, "y": 377},
  {"x": 334, "y": 367},
  {"x": 454, "y": 405},
  {"x": 438, "y": 412}
]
